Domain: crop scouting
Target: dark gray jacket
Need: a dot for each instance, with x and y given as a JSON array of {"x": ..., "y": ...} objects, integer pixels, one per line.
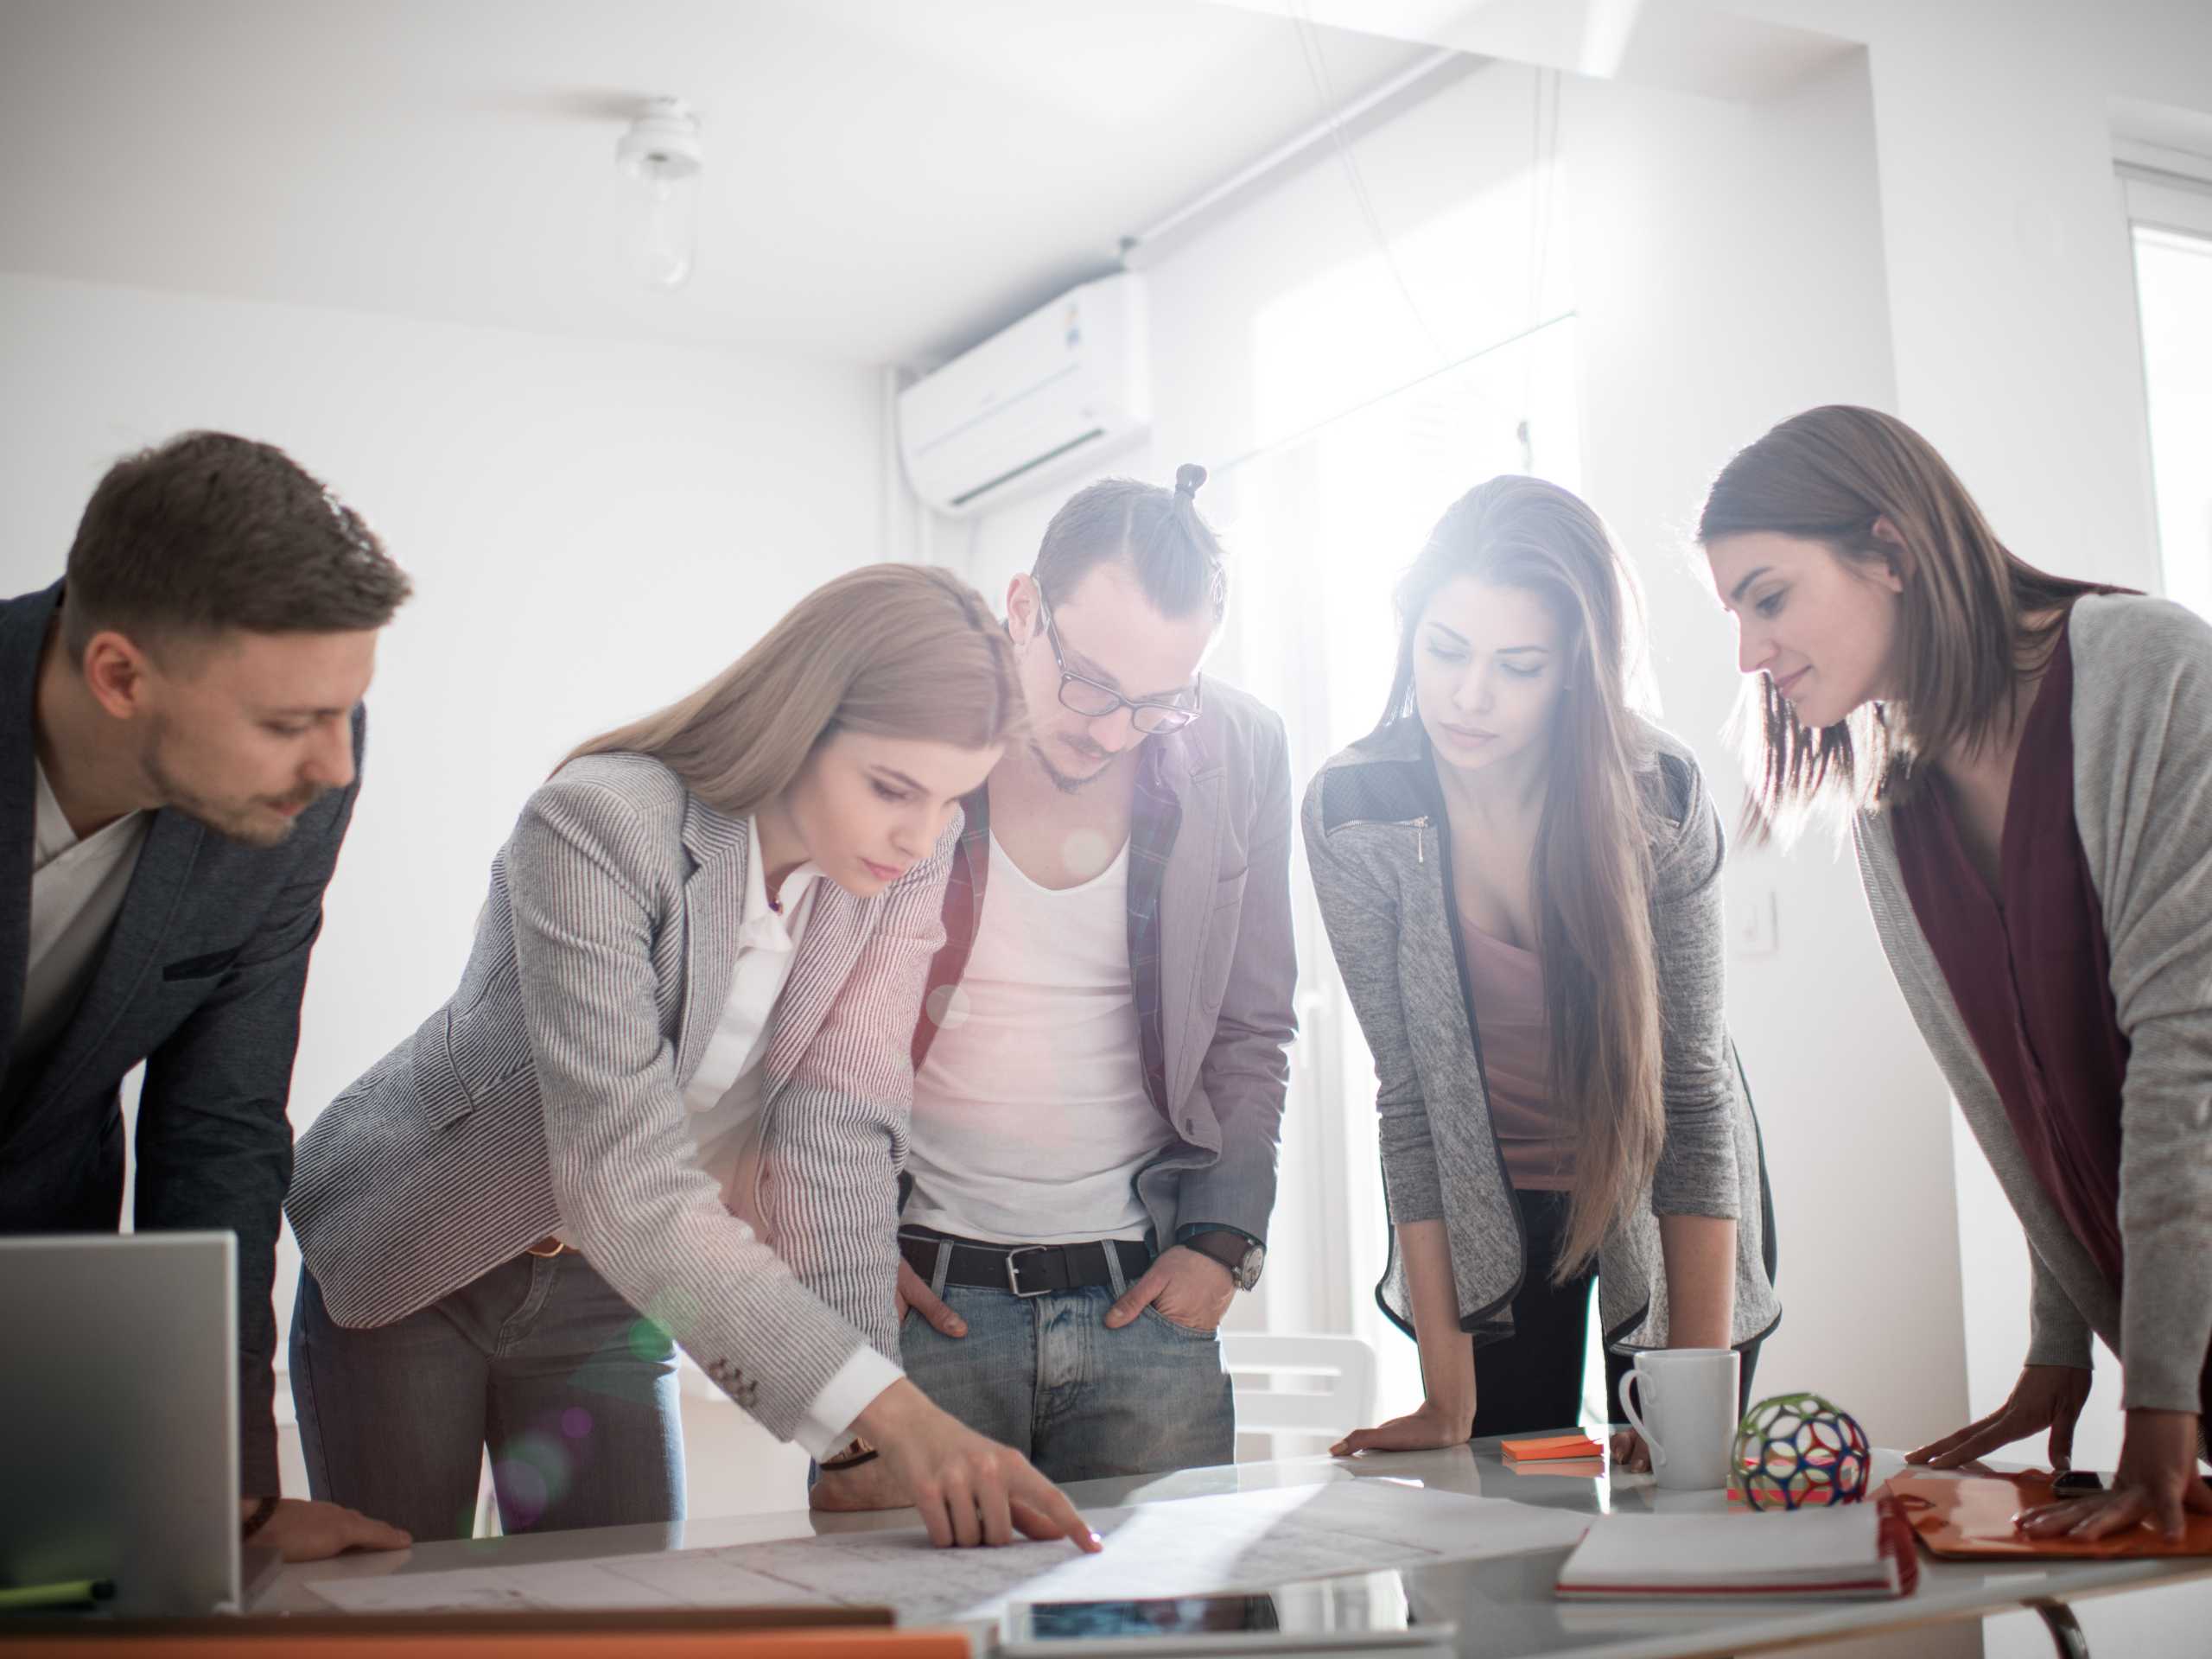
[
  {"x": 201, "y": 978},
  {"x": 1373, "y": 822}
]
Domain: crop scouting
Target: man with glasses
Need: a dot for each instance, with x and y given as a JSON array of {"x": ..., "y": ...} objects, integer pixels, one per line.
[{"x": 1100, "y": 1061}]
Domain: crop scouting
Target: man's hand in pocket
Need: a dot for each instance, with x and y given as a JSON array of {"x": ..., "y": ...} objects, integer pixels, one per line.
[
  {"x": 916, "y": 1296},
  {"x": 1184, "y": 1285}
]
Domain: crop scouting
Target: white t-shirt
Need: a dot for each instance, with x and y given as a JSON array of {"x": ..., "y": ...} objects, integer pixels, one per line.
[
  {"x": 77, "y": 889},
  {"x": 1031, "y": 1119}
]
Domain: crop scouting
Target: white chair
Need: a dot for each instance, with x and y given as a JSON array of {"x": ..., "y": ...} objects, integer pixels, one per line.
[{"x": 1261, "y": 1363}]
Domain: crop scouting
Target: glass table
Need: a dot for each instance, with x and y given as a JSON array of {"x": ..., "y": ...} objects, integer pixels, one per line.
[{"x": 1502, "y": 1605}]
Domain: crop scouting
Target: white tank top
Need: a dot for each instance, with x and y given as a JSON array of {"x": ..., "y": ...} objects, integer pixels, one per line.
[{"x": 1031, "y": 1119}]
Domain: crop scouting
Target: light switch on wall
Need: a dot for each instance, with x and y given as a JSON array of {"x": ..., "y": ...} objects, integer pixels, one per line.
[{"x": 1754, "y": 928}]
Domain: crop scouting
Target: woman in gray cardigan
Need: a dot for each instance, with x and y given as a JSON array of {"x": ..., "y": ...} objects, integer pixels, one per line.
[
  {"x": 2027, "y": 759},
  {"x": 1520, "y": 882},
  {"x": 667, "y": 1105}
]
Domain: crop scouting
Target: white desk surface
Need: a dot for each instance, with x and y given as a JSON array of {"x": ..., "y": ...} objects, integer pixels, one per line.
[{"x": 1503, "y": 1607}]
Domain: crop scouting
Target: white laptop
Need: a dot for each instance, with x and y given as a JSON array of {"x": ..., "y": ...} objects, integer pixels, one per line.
[{"x": 119, "y": 1418}]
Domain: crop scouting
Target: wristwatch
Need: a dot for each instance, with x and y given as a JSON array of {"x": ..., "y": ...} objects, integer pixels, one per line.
[
  {"x": 254, "y": 1523},
  {"x": 1244, "y": 1257}
]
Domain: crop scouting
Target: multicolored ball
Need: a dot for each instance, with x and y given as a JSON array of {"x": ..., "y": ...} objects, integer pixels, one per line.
[{"x": 1796, "y": 1450}]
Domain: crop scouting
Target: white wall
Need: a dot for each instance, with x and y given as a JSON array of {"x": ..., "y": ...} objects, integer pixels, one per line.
[
  {"x": 2011, "y": 291},
  {"x": 592, "y": 528}
]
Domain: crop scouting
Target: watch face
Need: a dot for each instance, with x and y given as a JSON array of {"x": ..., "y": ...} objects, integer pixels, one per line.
[{"x": 1247, "y": 1266}]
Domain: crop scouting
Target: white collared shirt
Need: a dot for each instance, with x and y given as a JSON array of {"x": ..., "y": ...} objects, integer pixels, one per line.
[
  {"x": 77, "y": 890},
  {"x": 726, "y": 1094}
]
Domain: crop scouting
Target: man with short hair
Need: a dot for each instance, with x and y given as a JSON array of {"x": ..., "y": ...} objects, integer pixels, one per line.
[
  {"x": 180, "y": 731},
  {"x": 1099, "y": 1064}
]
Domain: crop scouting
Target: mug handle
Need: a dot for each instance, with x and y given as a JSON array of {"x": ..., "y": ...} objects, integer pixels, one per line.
[{"x": 1628, "y": 1405}]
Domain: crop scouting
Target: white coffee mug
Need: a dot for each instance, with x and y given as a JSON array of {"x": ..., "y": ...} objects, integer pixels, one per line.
[{"x": 1688, "y": 1417}]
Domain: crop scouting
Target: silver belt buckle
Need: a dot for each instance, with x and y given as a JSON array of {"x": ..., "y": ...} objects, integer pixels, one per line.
[{"x": 1013, "y": 1276}]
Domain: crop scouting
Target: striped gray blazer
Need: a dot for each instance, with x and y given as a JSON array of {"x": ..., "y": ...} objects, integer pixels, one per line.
[{"x": 548, "y": 1096}]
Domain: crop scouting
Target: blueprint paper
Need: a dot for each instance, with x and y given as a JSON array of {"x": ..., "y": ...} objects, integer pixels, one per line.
[{"x": 1236, "y": 1541}]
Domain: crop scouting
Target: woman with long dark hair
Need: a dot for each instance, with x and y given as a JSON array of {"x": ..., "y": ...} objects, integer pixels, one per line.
[
  {"x": 2025, "y": 759},
  {"x": 667, "y": 1104},
  {"x": 1521, "y": 880}
]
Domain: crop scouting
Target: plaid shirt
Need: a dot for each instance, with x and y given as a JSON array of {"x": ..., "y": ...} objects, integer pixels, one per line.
[{"x": 1152, "y": 826}]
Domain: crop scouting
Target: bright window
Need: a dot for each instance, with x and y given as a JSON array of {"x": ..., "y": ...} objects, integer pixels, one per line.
[
  {"x": 1340, "y": 514},
  {"x": 1378, "y": 440},
  {"x": 2173, "y": 277}
]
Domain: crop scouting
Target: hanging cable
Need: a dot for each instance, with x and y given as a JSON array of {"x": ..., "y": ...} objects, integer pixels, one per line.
[
  {"x": 1541, "y": 153},
  {"x": 1317, "y": 70},
  {"x": 1543, "y": 168}
]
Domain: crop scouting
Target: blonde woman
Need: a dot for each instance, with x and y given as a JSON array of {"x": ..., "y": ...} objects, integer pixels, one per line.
[{"x": 681, "y": 1039}]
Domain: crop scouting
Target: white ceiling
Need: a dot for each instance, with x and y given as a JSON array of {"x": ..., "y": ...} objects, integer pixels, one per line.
[{"x": 887, "y": 180}]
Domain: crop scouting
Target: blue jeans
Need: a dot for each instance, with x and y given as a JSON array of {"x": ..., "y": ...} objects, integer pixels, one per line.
[
  {"x": 540, "y": 1359},
  {"x": 1045, "y": 1376}
]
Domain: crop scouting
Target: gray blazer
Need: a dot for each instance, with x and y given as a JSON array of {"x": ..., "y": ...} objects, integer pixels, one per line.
[
  {"x": 2142, "y": 806},
  {"x": 1373, "y": 821},
  {"x": 548, "y": 1096}
]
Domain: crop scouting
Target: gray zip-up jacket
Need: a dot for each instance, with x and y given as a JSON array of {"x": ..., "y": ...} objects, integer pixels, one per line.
[
  {"x": 2143, "y": 807},
  {"x": 1374, "y": 822}
]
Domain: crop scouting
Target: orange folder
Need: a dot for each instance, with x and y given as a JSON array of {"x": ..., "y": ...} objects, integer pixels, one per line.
[
  {"x": 1969, "y": 1518},
  {"x": 740, "y": 1634}
]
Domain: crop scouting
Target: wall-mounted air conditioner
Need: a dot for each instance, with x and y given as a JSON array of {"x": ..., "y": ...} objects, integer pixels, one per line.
[{"x": 1032, "y": 403}]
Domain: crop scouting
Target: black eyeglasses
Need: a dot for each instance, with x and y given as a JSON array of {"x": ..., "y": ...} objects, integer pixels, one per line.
[{"x": 1088, "y": 697}]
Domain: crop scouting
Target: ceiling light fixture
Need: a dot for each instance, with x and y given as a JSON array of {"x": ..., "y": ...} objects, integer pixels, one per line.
[{"x": 661, "y": 152}]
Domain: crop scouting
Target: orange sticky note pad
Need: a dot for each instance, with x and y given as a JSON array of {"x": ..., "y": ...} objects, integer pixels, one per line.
[
  {"x": 1558, "y": 1446},
  {"x": 1558, "y": 1468}
]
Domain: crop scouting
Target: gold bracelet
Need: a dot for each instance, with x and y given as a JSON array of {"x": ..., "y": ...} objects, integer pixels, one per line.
[{"x": 856, "y": 1452}]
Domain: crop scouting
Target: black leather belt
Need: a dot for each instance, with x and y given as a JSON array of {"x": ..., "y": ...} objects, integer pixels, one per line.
[{"x": 1024, "y": 1270}]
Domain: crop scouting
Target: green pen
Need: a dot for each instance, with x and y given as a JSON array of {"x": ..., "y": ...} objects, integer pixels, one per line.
[{"x": 74, "y": 1592}]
